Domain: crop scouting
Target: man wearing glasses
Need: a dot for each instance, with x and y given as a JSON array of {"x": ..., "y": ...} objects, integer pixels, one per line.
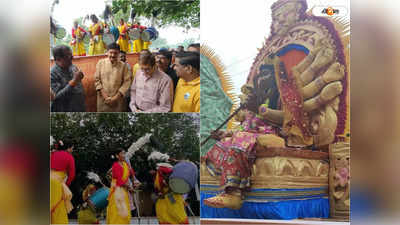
[{"x": 152, "y": 89}]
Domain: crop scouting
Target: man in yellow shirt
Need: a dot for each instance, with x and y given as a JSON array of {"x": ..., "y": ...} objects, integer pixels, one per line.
[{"x": 187, "y": 95}]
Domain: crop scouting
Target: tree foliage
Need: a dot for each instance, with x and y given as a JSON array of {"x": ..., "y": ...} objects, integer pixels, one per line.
[
  {"x": 183, "y": 13},
  {"x": 65, "y": 41},
  {"x": 97, "y": 135}
]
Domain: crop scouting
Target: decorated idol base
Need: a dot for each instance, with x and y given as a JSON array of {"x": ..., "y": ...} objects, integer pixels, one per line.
[{"x": 286, "y": 184}]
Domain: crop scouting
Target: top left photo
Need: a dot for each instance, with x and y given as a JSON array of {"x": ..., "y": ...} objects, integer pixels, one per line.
[{"x": 124, "y": 56}]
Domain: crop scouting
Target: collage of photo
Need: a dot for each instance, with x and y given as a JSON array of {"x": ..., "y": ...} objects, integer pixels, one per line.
[{"x": 160, "y": 114}]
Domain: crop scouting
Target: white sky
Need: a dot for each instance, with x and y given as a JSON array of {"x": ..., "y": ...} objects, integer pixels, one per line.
[
  {"x": 67, "y": 10},
  {"x": 235, "y": 29}
]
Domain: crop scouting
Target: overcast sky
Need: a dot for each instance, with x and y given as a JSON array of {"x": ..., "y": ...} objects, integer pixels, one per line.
[{"x": 235, "y": 29}]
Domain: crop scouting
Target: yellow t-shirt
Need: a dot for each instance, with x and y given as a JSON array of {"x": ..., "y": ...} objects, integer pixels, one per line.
[{"x": 187, "y": 96}]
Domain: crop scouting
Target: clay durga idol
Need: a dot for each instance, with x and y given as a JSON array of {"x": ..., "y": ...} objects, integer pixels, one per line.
[{"x": 295, "y": 105}]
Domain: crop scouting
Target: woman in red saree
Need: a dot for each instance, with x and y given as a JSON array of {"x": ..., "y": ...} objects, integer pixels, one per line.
[
  {"x": 118, "y": 209},
  {"x": 62, "y": 164}
]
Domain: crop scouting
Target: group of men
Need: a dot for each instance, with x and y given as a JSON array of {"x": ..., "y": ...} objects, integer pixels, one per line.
[{"x": 160, "y": 82}]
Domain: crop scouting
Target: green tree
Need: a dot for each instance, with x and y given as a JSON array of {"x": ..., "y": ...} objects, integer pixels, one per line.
[
  {"x": 118, "y": 15},
  {"x": 183, "y": 13},
  {"x": 97, "y": 135},
  {"x": 65, "y": 41}
]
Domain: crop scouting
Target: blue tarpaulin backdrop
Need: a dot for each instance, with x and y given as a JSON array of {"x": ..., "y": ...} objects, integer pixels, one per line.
[{"x": 288, "y": 209}]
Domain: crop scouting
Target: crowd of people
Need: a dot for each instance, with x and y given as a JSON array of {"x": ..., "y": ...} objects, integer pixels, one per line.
[
  {"x": 161, "y": 81},
  {"x": 120, "y": 195},
  {"x": 100, "y": 34}
]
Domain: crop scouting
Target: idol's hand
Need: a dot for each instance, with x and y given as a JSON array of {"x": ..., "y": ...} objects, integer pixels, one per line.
[{"x": 319, "y": 87}]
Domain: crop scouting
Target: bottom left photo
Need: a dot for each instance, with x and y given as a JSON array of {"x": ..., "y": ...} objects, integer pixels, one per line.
[{"x": 124, "y": 168}]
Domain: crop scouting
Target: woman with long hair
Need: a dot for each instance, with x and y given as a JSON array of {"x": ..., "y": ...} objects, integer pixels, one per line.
[
  {"x": 96, "y": 46},
  {"x": 118, "y": 209},
  {"x": 62, "y": 164},
  {"x": 78, "y": 33}
]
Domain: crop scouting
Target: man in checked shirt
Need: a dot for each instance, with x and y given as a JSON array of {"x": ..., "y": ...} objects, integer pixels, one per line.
[{"x": 152, "y": 89}]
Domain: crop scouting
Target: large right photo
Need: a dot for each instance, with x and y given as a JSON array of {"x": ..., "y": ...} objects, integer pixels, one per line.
[{"x": 275, "y": 112}]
